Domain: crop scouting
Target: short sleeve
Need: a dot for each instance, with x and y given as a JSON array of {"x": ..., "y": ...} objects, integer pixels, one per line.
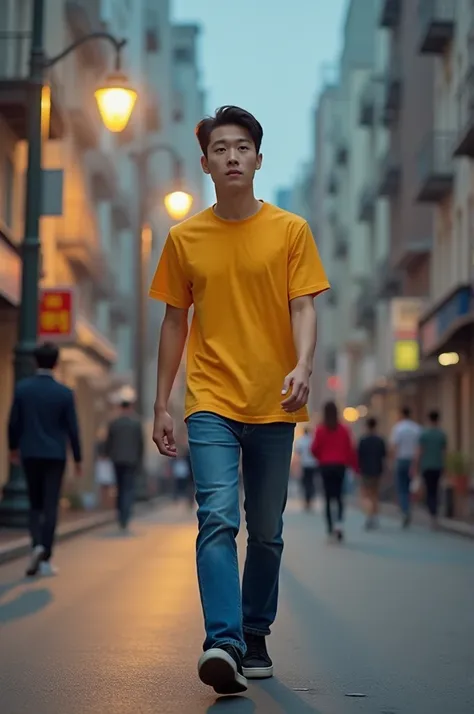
[
  {"x": 306, "y": 274},
  {"x": 170, "y": 284}
]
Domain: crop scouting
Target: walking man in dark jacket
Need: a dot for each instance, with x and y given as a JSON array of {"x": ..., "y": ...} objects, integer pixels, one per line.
[
  {"x": 124, "y": 447},
  {"x": 42, "y": 422}
]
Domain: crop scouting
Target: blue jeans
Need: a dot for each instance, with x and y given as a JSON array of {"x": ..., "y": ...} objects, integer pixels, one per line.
[
  {"x": 402, "y": 471},
  {"x": 215, "y": 445}
]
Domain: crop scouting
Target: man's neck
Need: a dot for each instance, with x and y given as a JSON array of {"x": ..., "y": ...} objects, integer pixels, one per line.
[{"x": 236, "y": 206}]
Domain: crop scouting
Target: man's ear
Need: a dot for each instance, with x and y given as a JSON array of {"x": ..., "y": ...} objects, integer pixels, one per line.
[
  {"x": 259, "y": 162},
  {"x": 204, "y": 165}
]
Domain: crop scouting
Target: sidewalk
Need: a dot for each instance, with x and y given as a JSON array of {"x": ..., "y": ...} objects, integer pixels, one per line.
[
  {"x": 421, "y": 518},
  {"x": 16, "y": 543}
]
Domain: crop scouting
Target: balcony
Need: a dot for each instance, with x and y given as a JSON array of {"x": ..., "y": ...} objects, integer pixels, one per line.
[
  {"x": 388, "y": 282},
  {"x": 87, "y": 259},
  {"x": 392, "y": 91},
  {"x": 367, "y": 200},
  {"x": 436, "y": 25},
  {"x": 464, "y": 141},
  {"x": 435, "y": 168},
  {"x": 365, "y": 307},
  {"x": 83, "y": 18},
  {"x": 14, "y": 88},
  {"x": 341, "y": 244},
  {"x": 390, "y": 13},
  {"x": 103, "y": 175},
  {"x": 389, "y": 176},
  {"x": 412, "y": 253},
  {"x": 367, "y": 104}
]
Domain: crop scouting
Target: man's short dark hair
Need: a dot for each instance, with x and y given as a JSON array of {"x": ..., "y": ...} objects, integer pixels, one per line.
[
  {"x": 224, "y": 116},
  {"x": 46, "y": 355},
  {"x": 125, "y": 403},
  {"x": 371, "y": 423},
  {"x": 433, "y": 416},
  {"x": 406, "y": 412}
]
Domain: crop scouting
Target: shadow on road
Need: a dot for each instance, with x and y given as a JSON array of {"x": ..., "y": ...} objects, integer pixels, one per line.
[
  {"x": 27, "y": 603},
  {"x": 118, "y": 535},
  {"x": 232, "y": 705}
]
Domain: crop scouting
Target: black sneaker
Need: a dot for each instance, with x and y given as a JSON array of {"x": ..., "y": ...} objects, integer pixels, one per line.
[
  {"x": 221, "y": 668},
  {"x": 257, "y": 663}
]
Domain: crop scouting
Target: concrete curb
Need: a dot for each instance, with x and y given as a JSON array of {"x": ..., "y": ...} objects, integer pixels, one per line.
[{"x": 22, "y": 546}]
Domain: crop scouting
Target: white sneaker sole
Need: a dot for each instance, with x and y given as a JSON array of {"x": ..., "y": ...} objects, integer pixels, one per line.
[
  {"x": 258, "y": 672},
  {"x": 217, "y": 669}
]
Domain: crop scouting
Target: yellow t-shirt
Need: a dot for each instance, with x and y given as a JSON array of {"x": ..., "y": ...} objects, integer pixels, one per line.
[{"x": 240, "y": 277}]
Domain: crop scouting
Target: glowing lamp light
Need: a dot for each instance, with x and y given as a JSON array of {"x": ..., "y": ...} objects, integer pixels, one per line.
[
  {"x": 362, "y": 411},
  {"x": 178, "y": 204},
  {"x": 115, "y": 101},
  {"x": 446, "y": 359},
  {"x": 350, "y": 414},
  {"x": 45, "y": 110}
]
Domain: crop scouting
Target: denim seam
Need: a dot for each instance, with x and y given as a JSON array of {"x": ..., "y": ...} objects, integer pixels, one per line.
[{"x": 253, "y": 631}]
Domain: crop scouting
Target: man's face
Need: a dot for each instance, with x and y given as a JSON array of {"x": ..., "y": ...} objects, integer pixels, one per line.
[{"x": 231, "y": 158}]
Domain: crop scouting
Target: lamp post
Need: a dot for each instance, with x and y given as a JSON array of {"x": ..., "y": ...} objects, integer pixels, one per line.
[{"x": 115, "y": 100}]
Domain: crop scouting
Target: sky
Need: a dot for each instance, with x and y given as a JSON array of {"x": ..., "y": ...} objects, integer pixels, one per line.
[{"x": 269, "y": 57}]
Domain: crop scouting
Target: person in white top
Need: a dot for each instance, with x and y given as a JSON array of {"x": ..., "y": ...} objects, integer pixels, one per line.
[
  {"x": 404, "y": 441},
  {"x": 308, "y": 465}
]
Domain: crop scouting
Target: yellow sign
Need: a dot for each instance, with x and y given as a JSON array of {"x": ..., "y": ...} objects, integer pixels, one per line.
[{"x": 406, "y": 355}]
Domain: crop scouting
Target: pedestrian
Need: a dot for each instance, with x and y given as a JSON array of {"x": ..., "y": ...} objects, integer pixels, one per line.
[
  {"x": 403, "y": 449},
  {"x": 333, "y": 448},
  {"x": 308, "y": 467},
  {"x": 42, "y": 422},
  {"x": 251, "y": 271},
  {"x": 372, "y": 454},
  {"x": 430, "y": 462},
  {"x": 181, "y": 474},
  {"x": 104, "y": 471},
  {"x": 124, "y": 447}
]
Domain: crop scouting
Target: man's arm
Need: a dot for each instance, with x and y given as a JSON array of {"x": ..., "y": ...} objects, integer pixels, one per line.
[
  {"x": 303, "y": 321},
  {"x": 174, "y": 331},
  {"x": 73, "y": 429}
]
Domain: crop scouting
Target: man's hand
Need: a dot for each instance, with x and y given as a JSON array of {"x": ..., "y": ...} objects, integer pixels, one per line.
[
  {"x": 163, "y": 434},
  {"x": 15, "y": 457},
  {"x": 78, "y": 470},
  {"x": 298, "y": 382}
]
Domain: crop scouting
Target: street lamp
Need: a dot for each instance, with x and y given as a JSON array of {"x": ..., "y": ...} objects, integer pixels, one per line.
[
  {"x": 115, "y": 111},
  {"x": 178, "y": 204}
]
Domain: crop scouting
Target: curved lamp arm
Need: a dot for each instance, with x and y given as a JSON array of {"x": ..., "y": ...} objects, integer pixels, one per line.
[
  {"x": 118, "y": 46},
  {"x": 145, "y": 154}
]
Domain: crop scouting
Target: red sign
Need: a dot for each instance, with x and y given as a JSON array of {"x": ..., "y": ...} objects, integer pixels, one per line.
[{"x": 56, "y": 314}]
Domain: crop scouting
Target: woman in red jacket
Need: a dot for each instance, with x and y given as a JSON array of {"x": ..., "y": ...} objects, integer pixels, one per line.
[{"x": 333, "y": 448}]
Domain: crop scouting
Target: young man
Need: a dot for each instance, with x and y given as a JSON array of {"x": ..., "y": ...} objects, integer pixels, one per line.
[
  {"x": 42, "y": 422},
  {"x": 251, "y": 272},
  {"x": 372, "y": 453},
  {"x": 403, "y": 449},
  {"x": 430, "y": 462}
]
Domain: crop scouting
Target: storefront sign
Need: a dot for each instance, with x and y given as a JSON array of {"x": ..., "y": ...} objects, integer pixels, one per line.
[
  {"x": 404, "y": 317},
  {"x": 57, "y": 314},
  {"x": 436, "y": 327}
]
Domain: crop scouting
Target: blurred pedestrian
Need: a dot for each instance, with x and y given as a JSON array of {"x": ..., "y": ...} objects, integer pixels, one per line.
[
  {"x": 42, "y": 422},
  {"x": 251, "y": 270},
  {"x": 181, "y": 468},
  {"x": 403, "y": 449},
  {"x": 104, "y": 471},
  {"x": 333, "y": 448},
  {"x": 372, "y": 454},
  {"x": 308, "y": 467},
  {"x": 125, "y": 447},
  {"x": 430, "y": 462}
]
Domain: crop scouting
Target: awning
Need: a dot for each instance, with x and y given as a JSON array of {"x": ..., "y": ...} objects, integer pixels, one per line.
[{"x": 446, "y": 320}]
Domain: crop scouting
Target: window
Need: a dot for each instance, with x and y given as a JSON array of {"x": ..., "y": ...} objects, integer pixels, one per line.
[
  {"x": 9, "y": 178},
  {"x": 183, "y": 55}
]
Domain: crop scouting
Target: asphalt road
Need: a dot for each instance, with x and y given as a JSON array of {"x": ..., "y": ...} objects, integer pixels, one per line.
[{"x": 389, "y": 615}]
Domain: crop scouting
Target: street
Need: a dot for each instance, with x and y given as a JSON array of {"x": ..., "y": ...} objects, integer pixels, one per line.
[{"x": 388, "y": 615}]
